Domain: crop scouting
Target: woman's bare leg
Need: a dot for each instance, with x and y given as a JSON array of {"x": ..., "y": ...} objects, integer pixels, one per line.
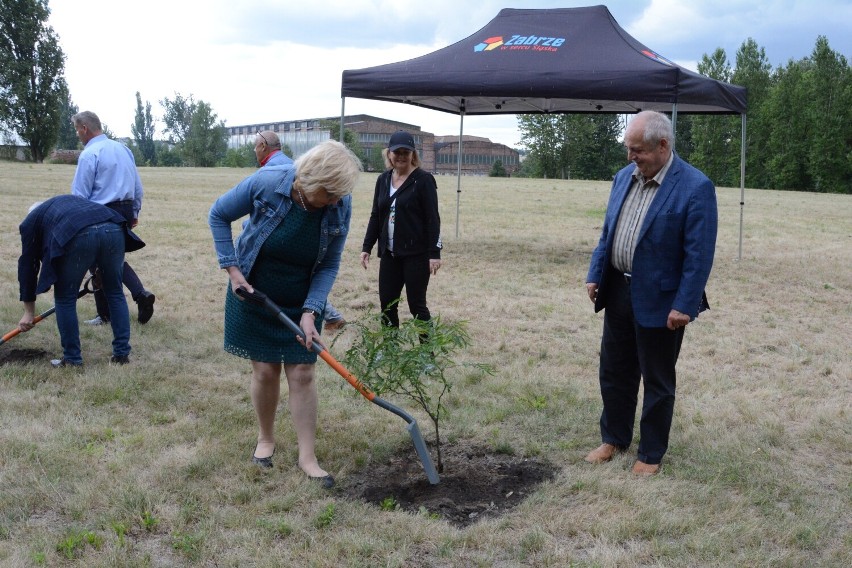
[
  {"x": 265, "y": 393},
  {"x": 303, "y": 408}
]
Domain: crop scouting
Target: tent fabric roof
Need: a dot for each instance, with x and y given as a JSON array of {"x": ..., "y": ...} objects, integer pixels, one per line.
[{"x": 545, "y": 61}]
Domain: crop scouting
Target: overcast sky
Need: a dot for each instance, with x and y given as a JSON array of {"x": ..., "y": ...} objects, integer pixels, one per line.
[{"x": 259, "y": 61}]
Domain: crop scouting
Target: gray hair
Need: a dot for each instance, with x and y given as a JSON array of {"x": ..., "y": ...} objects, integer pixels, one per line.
[
  {"x": 330, "y": 166},
  {"x": 88, "y": 119},
  {"x": 657, "y": 126}
]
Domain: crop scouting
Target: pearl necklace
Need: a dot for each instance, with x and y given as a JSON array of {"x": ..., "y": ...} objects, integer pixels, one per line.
[{"x": 301, "y": 199}]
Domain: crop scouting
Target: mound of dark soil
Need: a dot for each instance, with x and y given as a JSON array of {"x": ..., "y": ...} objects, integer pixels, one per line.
[
  {"x": 476, "y": 483},
  {"x": 21, "y": 355}
]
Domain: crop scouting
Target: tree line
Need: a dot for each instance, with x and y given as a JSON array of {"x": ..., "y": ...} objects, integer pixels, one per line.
[
  {"x": 798, "y": 129},
  {"x": 798, "y": 135}
]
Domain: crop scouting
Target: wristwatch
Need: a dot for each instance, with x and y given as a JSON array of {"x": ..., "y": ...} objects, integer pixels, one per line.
[{"x": 310, "y": 311}]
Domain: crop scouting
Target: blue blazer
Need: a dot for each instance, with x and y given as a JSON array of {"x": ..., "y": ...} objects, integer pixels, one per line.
[
  {"x": 46, "y": 232},
  {"x": 674, "y": 250}
]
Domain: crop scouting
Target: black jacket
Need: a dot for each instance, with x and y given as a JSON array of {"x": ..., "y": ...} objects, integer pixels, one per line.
[{"x": 417, "y": 229}]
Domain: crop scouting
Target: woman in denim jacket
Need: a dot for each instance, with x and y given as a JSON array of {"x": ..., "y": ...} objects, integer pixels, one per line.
[{"x": 290, "y": 248}]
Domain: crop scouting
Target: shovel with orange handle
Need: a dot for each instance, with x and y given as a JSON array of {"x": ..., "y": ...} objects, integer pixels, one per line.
[
  {"x": 87, "y": 289},
  {"x": 261, "y": 299}
]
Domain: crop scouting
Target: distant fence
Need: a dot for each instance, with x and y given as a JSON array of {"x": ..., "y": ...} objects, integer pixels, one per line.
[
  {"x": 22, "y": 154},
  {"x": 64, "y": 157}
]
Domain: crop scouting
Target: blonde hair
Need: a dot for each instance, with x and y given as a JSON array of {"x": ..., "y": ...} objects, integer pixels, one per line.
[
  {"x": 330, "y": 166},
  {"x": 415, "y": 158}
]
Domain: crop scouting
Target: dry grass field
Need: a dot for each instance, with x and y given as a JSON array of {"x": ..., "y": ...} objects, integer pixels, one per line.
[{"x": 148, "y": 464}]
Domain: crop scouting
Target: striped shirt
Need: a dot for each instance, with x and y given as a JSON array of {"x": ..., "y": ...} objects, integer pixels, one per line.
[{"x": 633, "y": 212}]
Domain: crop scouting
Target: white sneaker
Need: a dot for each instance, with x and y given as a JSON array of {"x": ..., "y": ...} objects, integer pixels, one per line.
[{"x": 97, "y": 320}]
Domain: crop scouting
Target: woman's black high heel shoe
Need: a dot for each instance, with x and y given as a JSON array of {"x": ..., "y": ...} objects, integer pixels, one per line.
[{"x": 262, "y": 462}]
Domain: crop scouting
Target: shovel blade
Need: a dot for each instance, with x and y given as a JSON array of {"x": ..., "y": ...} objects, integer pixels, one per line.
[{"x": 423, "y": 452}]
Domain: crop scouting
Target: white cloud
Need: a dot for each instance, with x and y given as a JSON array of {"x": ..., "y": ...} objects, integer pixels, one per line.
[{"x": 256, "y": 61}]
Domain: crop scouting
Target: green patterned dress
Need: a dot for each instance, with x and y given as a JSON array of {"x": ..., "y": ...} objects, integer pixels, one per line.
[{"x": 282, "y": 271}]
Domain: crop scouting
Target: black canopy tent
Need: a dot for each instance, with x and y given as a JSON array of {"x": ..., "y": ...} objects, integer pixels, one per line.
[{"x": 565, "y": 60}]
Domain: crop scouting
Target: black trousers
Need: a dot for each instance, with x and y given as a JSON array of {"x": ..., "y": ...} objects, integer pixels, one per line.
[
  {"x": 396, "y": 272},
  {"x": 129, "y": 277},
  {"x": 629, "y": 353}
]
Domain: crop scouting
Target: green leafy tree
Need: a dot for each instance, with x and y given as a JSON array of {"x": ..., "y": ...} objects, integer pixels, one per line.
[
  {"x": 754, "y": 72},
  {"x": 168, "y": 155},
  {"x": 594, "y": 151},
  {"x": 713, "y": 151},
  {"x": 828, "y": 88},
  {"x": 350, "y": 140},
  {"x": 497, "y": 169},
  {"x": 194, "y": 130},
  {"x": 242, "y": 157},
  {"x": 67, "y": 137},
  {"x": 790, "y": 131},
  {"x": 580, "y": 146},
  {"x": 540, "y": 133},
  {"x": 208, "y": 139},
  {"x": 415, "y": 361},
  {"x": 143, "y": 132},
  {"x": 32, "y": 79},
  {"x": 529, "y": 167},
  {"x": 178, "y": 117}
]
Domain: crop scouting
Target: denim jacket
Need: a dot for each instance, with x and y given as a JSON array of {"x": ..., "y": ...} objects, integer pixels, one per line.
[{"x": 265, "y": 197}]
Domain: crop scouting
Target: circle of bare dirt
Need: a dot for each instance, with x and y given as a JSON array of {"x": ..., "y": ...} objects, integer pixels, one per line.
[
  {"x": 476, "y": 483},
  {"x": 21, "y": 355}
]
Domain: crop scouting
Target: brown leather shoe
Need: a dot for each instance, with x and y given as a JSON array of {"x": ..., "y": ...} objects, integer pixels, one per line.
[
  {"x": 601, "y": 454},
  {"x": 643, "y": 469}
]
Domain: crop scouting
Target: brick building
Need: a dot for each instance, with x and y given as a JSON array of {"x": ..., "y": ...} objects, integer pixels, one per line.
[{"x": 439, "y": 154}]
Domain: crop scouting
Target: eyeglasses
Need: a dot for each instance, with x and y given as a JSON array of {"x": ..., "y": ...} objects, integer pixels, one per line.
[{"x": 264, "y": 137}]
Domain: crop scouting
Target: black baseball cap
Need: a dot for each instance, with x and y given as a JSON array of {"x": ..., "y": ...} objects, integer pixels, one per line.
[{"x": 401, "y": 139}]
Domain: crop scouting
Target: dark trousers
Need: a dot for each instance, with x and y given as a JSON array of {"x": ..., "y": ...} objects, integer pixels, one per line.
[
  {"x": 131, "y": 282},
  {"x": 412, "y": 272},
  {"x": 129, "y": 277},
  {"x": 629, "y": 353}
]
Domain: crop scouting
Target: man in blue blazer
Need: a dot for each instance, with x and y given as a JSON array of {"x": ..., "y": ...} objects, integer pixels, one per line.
[
  {"x": 60, "y": 239},
  {"x": 648, "y": 273}
]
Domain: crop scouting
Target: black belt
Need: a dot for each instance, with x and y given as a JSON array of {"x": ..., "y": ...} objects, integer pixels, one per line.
[{"x": 121, "y": 202}]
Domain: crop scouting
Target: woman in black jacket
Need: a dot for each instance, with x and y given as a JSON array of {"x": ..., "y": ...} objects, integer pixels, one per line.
[{"x": 407, "y": 226}]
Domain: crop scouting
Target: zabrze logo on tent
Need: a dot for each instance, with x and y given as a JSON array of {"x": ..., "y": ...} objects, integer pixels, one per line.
[
  {"x": 657, "y": 57},
  {"x": 520, "y": 43},
  {"x": 489, "y": 44}
]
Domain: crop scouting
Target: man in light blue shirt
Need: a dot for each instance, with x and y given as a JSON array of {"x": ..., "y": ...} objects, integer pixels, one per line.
[{"x": 106, "y": 174}]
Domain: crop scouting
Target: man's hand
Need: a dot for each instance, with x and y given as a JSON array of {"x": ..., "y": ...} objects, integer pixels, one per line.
[
  {"x": 28, "y": 319},
  {"x": 592, "y": 290},
  {"x": 677, "y": 320}
]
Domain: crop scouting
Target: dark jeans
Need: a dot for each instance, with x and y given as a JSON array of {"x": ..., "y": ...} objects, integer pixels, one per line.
[
  {"x": 101, "y": 244},
  {"x": 412, "y": 272},
  {"x": 630, "y": 352}
]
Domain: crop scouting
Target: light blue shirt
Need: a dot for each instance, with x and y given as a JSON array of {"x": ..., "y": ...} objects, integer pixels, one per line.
[{"x": 106, "y": 172}]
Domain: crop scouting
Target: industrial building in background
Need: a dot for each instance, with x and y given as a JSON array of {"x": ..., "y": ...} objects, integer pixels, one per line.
[{"x": 439, "y": 154}]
